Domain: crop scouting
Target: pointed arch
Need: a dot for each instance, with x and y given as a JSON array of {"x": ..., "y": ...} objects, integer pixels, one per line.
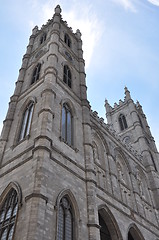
[
  {"x": 124, "y": 177},
  {"x": 22, "y": 110},
  {"x": 112, "y": 230},
  {"x": 10, "y": 201},
  {"x": 143, "y": 184},
  {"x": 15, "y": 186},
  {"x": 27, "y": 101},
  {"x": 70, "y": 104},
  {"x": 43, "y": 38},
  {"x": 119, "y": 153},
  {"x": 26, "y": 120},
  {"x": 134, "y": 233},
  {"x": 101, "y": 137},
  {"x": 68, "y": 107},
  {"x": 67, "y": 40},
  {"x": 122, "y": 122},
  {"x": 36, "y": 73},
  {"x": 67, "y": 215},
  {"x": 67, "y": 76},
  {"x": 67, "y": 125},
  {"x": 100, "y": 148}
]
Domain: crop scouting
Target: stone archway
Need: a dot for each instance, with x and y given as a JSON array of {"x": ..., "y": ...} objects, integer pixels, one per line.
[
  {"x": 108, "y": 226},
  {"x": 104, "y": 231},
  {"x": 134, "y": 233}
]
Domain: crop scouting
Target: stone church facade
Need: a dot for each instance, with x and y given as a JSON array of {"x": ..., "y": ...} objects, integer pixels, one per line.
[{"x": 64, "y": 173}]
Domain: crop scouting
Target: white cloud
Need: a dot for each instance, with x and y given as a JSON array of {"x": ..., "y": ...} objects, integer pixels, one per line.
[
  {"x": 91, "y": 31},
  {"x": 127, "y": 4},
  {"x": 155, "y": 2}
]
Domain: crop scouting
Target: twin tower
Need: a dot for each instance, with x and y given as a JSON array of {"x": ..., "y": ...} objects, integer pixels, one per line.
[{"x": 64, "y": 173}]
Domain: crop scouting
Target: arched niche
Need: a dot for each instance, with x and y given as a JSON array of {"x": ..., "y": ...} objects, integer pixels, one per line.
[
  {"x": 100, "y": 148},
  {"x": 143, "y": 184},
  {"x": 123, "y": 168}
]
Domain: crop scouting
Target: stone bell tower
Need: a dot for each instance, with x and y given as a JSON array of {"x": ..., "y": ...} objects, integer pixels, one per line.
[
  {"x": 129, "y": 121},
  {"x": 42, "y": 145}
]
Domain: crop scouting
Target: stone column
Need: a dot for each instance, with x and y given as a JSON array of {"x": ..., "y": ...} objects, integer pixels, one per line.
[{"x": 93, "y": 226}]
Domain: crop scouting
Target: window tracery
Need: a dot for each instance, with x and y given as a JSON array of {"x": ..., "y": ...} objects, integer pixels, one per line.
[
  {"x": 65, "y": 220},
  {"x": 26, "y": 121},
  {"x": 67, "y": 125},
  {"x": 67, "y": 77},
  {"x": 36, "y": 73},
  {"x": 67, "y": 40},
  {"x": 122, "y": 122},
  {"x": 43, "y": 38},
  {"x": 8, "y": 213}
]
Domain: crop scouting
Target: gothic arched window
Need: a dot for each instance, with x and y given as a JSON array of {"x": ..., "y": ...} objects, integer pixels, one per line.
[
  {"x": 36, "y": 73},
  {"x": 122, "y": 122},
  {"x": 135, "y": 234},
  {"x": 67, "y": 78},
  {"x": 104, "y": 232},
  {"x": 67, "y": 40},
  {"x": 43, "y": 38},
  {"x": 8, "y": 213},
  {"x": 65, "y": 220},
  {"x": 26, "y": 121},
  {"x": 67, "y": 124}
]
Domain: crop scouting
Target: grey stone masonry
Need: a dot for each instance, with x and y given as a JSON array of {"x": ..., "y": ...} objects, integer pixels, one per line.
[{"x": 53, "y": 147}]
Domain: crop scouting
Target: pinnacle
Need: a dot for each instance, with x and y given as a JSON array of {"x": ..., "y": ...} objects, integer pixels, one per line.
[{"x": 58, "y": 9}]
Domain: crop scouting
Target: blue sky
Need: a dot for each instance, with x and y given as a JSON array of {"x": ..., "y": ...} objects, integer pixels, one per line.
[{"x": 120, "y": 43}]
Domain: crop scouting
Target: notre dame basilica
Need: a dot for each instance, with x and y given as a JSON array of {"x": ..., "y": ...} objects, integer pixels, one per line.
[{"x": 64, "y": 173}]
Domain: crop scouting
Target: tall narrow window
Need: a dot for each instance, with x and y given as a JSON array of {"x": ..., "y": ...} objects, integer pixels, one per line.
[
  {"x": 36, "y": 73},
  {"x": 65, "y": 220},
  {"x": 67, "y": 78},
  {"x": 104, "y": 232},
  {"x": 67, "y": 40},
  {"x": 122, "y": 122},
  {"x": 67, "y": 124},
  {"x": 26, "y": 121},
  {"x": 43, "y": 38},
  {"x": 8, "y": 214}
]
